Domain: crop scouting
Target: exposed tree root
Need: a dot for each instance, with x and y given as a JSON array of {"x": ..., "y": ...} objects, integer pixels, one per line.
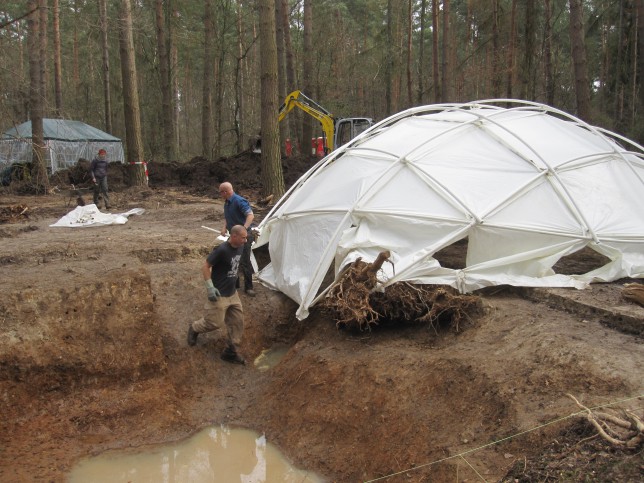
[
  {"x": 634, "y": 292},
  {"x": 625, "y": 430},
  {"x": 354, "y": 304},
  {"x": 12, "y": 214}
]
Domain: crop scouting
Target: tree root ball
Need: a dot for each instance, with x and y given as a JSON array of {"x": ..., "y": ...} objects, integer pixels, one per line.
[{"x": 354, "y": 304}]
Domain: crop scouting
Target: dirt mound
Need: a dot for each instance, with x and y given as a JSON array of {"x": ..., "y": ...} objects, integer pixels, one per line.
[{"x": 199, "y": 174}]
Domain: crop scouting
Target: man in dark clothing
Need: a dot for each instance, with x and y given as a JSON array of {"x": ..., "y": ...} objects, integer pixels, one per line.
[
  {"x": 237, "y": 211},
  {"x": 98, "y": 170},
  {"x": 224, "y": 306}
]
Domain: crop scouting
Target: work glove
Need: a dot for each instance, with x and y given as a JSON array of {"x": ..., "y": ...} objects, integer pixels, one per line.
[{"x": 213, "y": 293}]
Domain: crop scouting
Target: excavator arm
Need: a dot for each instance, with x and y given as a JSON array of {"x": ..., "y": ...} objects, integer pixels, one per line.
[{"x": 298, "y": 99}]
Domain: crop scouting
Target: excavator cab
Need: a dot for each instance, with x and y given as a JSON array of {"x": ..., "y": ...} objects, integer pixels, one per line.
[{"x": 347, "y": 129}]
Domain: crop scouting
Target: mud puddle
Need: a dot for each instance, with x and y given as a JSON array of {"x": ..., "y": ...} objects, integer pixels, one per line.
[
  {"x": 270, "y": 357},
  {"x": 213, "y": 454}
]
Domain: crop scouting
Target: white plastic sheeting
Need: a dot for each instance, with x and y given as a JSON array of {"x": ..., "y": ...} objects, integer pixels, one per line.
[
  {"x": 90, "y": 215},
  {"x": 526, "y": 185}
]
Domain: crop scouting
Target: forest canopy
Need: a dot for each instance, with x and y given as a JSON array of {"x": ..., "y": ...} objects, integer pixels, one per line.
[{"x": 198, "y": 62}]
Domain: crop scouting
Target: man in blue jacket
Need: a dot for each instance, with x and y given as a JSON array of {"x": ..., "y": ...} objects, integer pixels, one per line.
[{"x": 237, "y": 211}]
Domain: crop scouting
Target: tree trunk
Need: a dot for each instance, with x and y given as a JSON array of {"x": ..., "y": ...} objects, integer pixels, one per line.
[
  {"x": 580, "y": 68},
  {"x": 75, "y": 61},
  {"x": 640, "y": 54},
  {"x": 164, "y": 78},
  {"x": 131, "y": 108},
  {"x": 307, "y": 74},
  {"x": 420, "y": 98},
  {"x": 44, "y": 74},
  {"x": 281, "y": 65},
  {"x": 410, "y": 20},
  {"x": 290, "y": 69},
  {"x": 447, "y": 65},
  {"x": 527, "y": 71},
  {"x": 107, "y": 97},
  {"x": 512, "y": 47},
  {"x": 272, "y": 176},
  {"x": 206, "y": 104},
  {"x": 435, "y": 41},
  {"x": 239, "y": 84},
  {"x": 38, "y": 170},
  {"x": 389, "y": 60},
  {"x": 547, "y": 53},
  {"x": 496, "y": 54},
  {"x": 173, "y": 52},
  {"x": 618, "y": 71},
  {"x": 58, "y": 75},
  {"x": 218, "y": 104}
]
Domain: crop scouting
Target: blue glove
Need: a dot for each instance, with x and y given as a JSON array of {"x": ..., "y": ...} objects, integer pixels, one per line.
[{"x": 213, "y": 293}]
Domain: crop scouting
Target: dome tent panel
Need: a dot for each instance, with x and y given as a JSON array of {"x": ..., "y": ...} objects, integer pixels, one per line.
[
  {"x": 539, "y": 207},
  {"x": 334, "y": 187},
  {"x": 515, "y": 179},
  {"x": 608, "y": 196},
  {"x": 411, "y": 241},
  {"x": 300, "y": 254},
  {"x": 527, "y": 131},
  {"x": 394, "y": 197},
  {"x": 625, "y": 258},
  {"x": 517, "y": 252}
]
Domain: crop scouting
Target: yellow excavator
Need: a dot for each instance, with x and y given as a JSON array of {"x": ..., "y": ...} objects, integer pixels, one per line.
[{"x": 336, "y": 131}]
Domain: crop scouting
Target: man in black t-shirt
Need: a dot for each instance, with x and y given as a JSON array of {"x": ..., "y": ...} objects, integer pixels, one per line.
[{"x": 224, "y": 306}]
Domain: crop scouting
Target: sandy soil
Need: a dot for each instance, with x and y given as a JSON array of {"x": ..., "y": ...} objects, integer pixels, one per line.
[{"x": 93, "y": 356}]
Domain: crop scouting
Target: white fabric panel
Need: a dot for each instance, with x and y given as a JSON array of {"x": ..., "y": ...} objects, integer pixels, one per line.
[
  {"x": 481, "y": 183},
  {"x": 514, "y": 253},
  {"x": 410, "y": 195},
  {"x": 406, "y": 134},
  {"x": 337, "y": 186},
  {"x": 539, "y": 208},
  {"x": 410, "y": 241},
  {"x": 610, "y": 197},
  {"x": 478, "y": 280},
  {"x": 627, "y": 260},
  {"x": 555, "y": 140},
  {"x": 296, "y": 248}
]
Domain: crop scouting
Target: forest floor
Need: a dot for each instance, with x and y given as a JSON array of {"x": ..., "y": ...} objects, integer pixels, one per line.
[{"x": 93, "y": 355}]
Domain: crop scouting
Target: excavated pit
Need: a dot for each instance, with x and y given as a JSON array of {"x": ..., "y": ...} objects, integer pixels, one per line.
[{"x": 94, "y": 358}]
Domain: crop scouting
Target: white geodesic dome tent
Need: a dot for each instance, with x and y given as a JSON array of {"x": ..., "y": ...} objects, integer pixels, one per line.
[
  {"x": 525, "y": 185},
  {"x": 66, "y": 141}
]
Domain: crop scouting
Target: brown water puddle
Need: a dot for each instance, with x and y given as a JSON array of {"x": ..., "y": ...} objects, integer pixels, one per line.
[{"x": 213, "y": 454}]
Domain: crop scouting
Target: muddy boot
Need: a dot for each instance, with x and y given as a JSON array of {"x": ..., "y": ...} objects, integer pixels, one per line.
[
  {"x": 192, "y": 336},
  {"x": 231, "y": 355}
]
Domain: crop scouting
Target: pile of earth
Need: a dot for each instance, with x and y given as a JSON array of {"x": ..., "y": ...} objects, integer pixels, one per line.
[{"x": 202, "y": 176}]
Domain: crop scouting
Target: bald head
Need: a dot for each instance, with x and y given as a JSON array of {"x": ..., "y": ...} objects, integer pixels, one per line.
[{"x": 226, "y": 190}]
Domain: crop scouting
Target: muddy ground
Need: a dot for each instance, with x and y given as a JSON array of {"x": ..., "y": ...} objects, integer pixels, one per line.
[{"x": 93, "y": 355}]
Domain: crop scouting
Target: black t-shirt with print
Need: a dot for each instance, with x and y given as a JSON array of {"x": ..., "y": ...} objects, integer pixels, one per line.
[{"x": 225, "y": 263}]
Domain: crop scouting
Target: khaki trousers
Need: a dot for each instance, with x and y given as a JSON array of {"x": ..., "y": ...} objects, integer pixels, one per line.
[{"x": 226, "y": 311}]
